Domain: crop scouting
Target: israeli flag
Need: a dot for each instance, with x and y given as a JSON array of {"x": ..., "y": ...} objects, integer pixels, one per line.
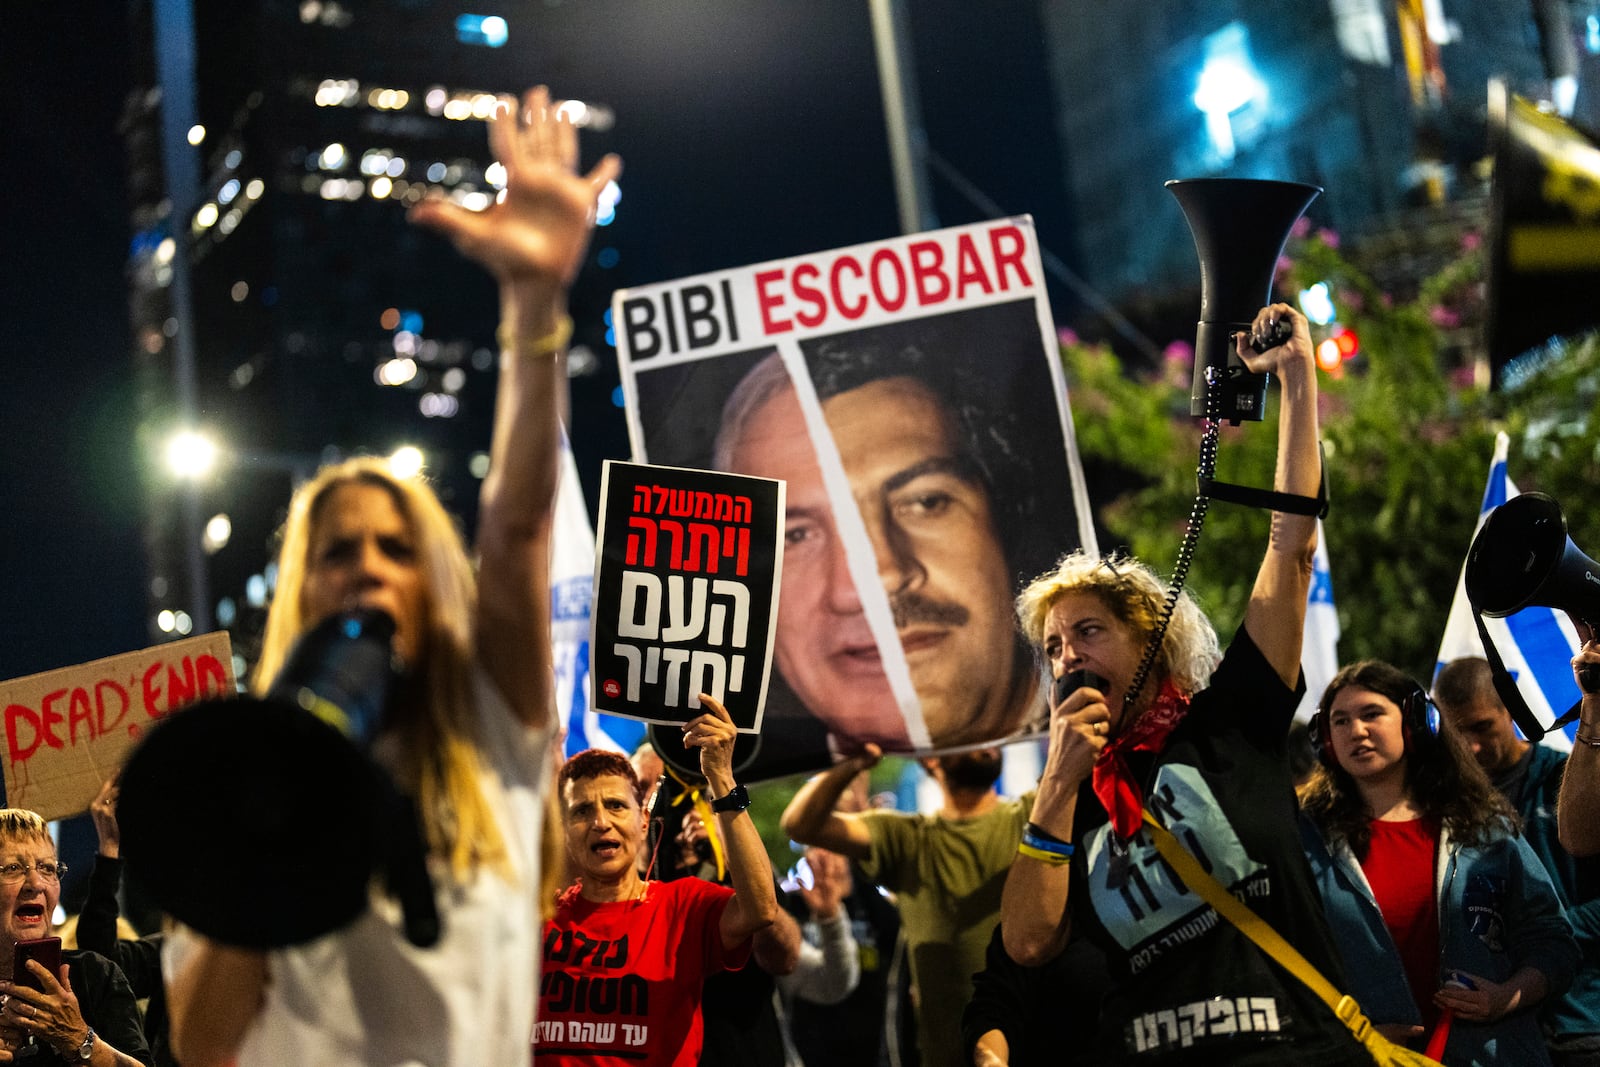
[
  {"x": 571, "y": 602},
  {"x": 1537, "y": 644},
  {"x": 1319, "y": 645}
]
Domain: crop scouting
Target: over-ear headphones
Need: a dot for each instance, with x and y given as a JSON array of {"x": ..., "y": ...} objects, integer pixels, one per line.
[{"x": 1419, "y": 724}]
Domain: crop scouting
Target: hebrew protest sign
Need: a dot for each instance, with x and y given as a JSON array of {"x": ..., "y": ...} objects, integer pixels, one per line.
[
  {"x": 909, "y": 393},
  {"x": 69, "y": 730},
  {"x": 685, "y": 592}
]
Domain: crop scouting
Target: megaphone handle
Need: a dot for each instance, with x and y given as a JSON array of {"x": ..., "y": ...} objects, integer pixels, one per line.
[
  {"x": 407, "y": 872},
  {"x": 1589, "y": 678},
  {"x": 1277, "y": 334}
]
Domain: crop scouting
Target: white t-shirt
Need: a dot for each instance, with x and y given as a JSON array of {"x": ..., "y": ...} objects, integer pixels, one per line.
[{"x": 365, "y": 995}]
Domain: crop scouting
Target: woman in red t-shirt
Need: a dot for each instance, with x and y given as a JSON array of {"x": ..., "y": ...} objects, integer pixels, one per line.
[{"x": 1428, "y": 888}]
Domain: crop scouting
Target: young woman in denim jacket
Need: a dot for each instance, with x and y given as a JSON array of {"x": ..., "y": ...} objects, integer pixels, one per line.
[{"x": 1441, "y": 911}]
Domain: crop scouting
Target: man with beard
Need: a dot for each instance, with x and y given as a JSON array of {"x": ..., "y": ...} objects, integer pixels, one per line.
[
  {"x": 943, "y": 496},
  {"x": 946, "y": 870}
]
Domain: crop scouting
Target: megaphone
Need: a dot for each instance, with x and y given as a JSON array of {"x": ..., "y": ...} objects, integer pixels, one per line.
[
  {"x": 1240, "y": 226},
  {"x": 261, "y": 823},
  {"x": 1544, "y": 228},
  {"x": 1523, "y": 558}
]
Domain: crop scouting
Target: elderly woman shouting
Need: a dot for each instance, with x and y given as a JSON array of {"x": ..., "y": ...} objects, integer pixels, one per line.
[{"x": 85, "y": 1012}]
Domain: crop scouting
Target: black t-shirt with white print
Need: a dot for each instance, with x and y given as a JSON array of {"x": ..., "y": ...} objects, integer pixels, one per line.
[{"x": 1187, "y": 986}]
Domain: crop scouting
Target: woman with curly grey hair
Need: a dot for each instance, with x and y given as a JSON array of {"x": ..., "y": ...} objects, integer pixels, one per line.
[{"x": 1201, "y": 743}]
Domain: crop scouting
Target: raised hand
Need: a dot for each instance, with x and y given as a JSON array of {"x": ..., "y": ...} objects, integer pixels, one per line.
[
  {"x": 1297, "y": 349},
  {"x": 713, "y": 733},
  {"x": 538, "y": 228},
  {"x": 103, "y": 810},
  {"x": 830, "y": 882}
]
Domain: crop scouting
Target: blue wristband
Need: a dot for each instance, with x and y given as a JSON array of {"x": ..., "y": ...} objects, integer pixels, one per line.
[{"x": 1063, "y": 849}]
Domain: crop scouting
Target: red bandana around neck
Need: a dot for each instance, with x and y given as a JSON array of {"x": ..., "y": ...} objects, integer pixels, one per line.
[{"x": 1114, "y": 783}]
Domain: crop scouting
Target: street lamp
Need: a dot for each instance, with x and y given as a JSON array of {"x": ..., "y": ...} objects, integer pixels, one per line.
[{"x": 191, "y": 455}]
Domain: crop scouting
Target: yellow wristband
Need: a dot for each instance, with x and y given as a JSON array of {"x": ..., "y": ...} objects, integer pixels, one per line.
[
  {"x": 534, "y": 347},
  {"x": 1052, "y": 858}
]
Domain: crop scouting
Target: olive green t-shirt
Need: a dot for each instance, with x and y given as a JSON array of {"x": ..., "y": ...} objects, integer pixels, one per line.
[{"x": 947, "y": 875}]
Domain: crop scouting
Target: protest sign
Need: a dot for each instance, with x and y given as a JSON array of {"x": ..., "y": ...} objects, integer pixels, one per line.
[
  {"x": 909, "y": 393},
  {"x": 685, "y": 592},
  {"x": 69, "y": 730}
]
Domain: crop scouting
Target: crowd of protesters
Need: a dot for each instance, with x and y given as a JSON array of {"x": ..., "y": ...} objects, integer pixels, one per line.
[{"x": 596, "y": 915}]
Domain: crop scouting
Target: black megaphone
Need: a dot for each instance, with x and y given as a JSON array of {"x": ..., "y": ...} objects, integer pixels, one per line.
[
  {"x": 262, "y": 822},
  {"x": 1240, "y": 226},
  {"x": 1523, "y": 558}
]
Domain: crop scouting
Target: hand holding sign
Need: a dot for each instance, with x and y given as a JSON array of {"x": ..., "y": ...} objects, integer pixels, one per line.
[{"x": 713, "y": 734}]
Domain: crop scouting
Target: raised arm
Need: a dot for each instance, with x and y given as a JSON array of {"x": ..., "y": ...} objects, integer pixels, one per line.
[
  {"x": 1578, "y": 812},
  {"x": 1276, "y": 615},
  {"x": 532, "y": 240},
  {"x": 812, "y": 819},
  {"x": 828, "y": 973},
  {"x": 755, "y": 901},
  {"x": 97, "y": 921}
]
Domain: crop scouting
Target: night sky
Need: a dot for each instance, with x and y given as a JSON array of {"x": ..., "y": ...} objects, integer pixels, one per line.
[
  {"x": 751, "y": 129},
  {"x": 71, "y": 566}
]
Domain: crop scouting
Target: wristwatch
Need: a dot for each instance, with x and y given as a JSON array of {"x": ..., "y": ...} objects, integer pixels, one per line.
[
  {"x": 86, "y": 1049},
  {"x": 735, "y": 799}
]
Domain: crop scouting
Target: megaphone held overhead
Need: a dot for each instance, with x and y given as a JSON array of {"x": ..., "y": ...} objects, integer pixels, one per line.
[
  {"x": 1239, "y": 226},
  {"x": 230, "y": 809}
]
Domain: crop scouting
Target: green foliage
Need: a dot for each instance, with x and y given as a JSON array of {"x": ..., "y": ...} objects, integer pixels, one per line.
[{"x": 1408, "y": 446}]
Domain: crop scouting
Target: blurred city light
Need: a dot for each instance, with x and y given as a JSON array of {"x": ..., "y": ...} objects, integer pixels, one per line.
[
  {"x": 218, "y": 529},
  {"x": 606, "y": 205},
  {"x": 406, "y": 461},
  {"x": 490, "y": 31},
  {"x": 197, "y": 134},
  {"x": 1226, "y": 85},
  {"x": 1317, "y": 303},
  {"x": 166, "y": 621},
  {"x": 1341, "y": 345},
  {"x": 191, "y": 454},
  {"x": 396, "y": 371}
]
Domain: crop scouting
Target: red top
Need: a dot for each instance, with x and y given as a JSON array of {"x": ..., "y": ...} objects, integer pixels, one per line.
[
  {"x": 1399, "y": 867},
  {"x": 621, "y": 982}
]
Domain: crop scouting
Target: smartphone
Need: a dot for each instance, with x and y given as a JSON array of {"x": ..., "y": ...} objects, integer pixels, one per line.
[
  {"x": 47, "y": 950},
  {"x": 798, "y": 878},
  {"x": 1073, "y": 681}
]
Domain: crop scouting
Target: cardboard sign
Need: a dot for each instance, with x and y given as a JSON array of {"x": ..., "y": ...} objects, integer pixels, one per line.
[
  {"x": 67, "y": 731},
  {"x": 685, "y": 592},
  {"x": 909, "y": 393}
]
